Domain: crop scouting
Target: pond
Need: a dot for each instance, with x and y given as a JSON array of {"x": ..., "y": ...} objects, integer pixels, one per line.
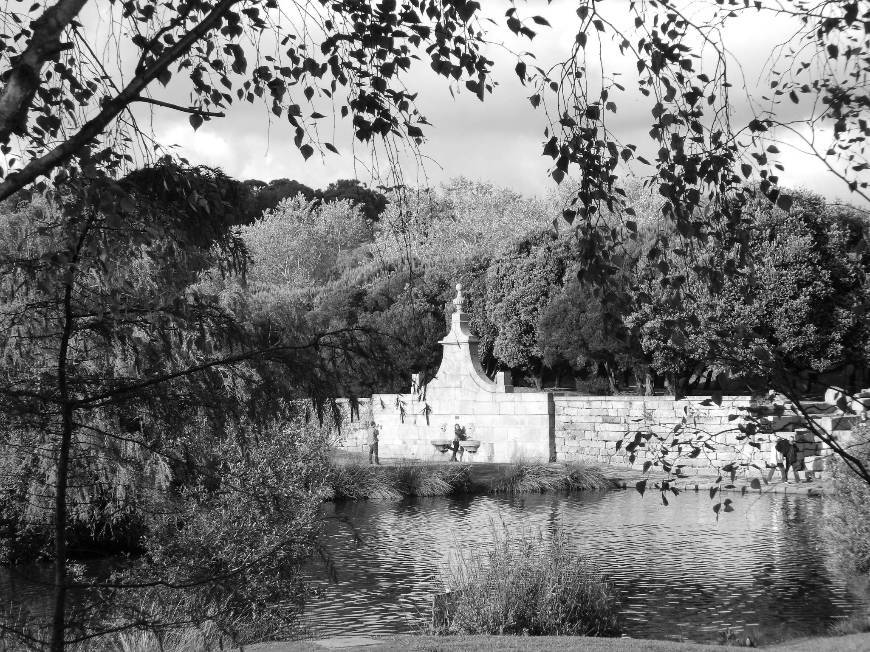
[{"x": 680, "y": 573}]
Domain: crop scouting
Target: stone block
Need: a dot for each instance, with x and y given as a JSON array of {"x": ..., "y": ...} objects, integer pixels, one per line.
[
  {"x": 829, "y": 424},
  {"x": 612, "y": 436},
  {"x": 802, "y": 435}
]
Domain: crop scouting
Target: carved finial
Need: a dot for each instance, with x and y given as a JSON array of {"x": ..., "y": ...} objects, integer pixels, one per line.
[{"x": 459, "y": 300}]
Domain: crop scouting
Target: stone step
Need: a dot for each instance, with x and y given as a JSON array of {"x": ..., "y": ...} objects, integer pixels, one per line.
[{"x": 839, "y": 422}]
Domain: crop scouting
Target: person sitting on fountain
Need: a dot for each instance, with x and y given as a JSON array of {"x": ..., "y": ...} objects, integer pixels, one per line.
[{"x": 458, "y": 435}]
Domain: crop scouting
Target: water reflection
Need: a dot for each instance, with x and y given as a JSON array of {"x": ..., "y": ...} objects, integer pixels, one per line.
[{"x": 679, "y": 572}]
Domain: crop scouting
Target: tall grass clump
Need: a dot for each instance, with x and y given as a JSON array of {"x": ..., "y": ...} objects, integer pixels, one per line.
[
  {"x": 523, "y": 476},
  {"x": 526, "y": 584},
  {"x": 529, "y": 477},
  {"x": 412, "y": 479},
  {"x": 580, "y": 477},
  {"x": 366, "y": 482},
  {"x": 360, "y": 482}
]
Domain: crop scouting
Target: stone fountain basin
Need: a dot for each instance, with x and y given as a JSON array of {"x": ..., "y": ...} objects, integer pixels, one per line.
[
  {"x": 471, "y": 445},
  {"x": 443, "y": 445}
]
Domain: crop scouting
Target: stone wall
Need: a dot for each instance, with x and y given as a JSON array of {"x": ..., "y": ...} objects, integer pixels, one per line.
[
  {"x": 588, "y": 429},
  {"x": 355, "y": 419},
  {"x": 564, "y": 427}
]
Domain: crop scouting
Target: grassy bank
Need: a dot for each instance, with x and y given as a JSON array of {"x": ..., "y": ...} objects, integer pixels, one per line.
[
  {"x": 351, "y": 479},
  {"x": 854, "y": 643}
]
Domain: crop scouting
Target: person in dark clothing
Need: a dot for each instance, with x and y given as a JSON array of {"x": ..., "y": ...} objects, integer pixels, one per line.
[
  {"x": 458, "y": 435},
  {"x": 373, "y": 444},
  {"x": 787, "y": 458}
]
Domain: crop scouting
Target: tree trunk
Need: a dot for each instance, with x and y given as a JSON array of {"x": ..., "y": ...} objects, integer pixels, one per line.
[
  {"x": 58, "y": 620},
  {"x": 67, "y": 414},
  {"x": 66, "y": 434},
  {"x": 24, "y": 76}
]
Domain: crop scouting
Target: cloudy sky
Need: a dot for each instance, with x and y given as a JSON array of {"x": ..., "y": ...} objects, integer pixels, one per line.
[{"x": 499, "y": 140}]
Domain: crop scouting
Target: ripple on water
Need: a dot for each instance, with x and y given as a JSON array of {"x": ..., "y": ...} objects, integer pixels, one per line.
[{"x": 678, "y": 571}]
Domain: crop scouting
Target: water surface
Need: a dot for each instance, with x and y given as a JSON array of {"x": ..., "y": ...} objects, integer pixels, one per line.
[{"x": 678, "y": 571}]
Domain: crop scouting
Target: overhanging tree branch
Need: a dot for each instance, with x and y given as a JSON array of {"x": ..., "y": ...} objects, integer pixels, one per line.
[
  {"x": 24, "y": 78},
  {"x": 226, "y": 360},
  {"x": 110, "y": 110}
]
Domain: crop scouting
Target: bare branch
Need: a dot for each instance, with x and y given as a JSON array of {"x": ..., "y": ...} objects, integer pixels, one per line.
[{"x": 184, "y": 109}]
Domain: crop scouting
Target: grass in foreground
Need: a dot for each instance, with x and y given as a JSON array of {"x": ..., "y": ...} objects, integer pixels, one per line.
[{"x": 526, "y": 584}]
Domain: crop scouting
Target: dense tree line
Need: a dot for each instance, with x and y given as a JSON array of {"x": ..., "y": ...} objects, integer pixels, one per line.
[{"x": 794, "y": 285}]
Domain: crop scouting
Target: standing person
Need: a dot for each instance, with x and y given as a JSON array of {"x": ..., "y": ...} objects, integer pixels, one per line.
[
  {"x": 458, "y": 435},
  {"x": 786, "y": 458},
  {"x": 374, "y": 433}
]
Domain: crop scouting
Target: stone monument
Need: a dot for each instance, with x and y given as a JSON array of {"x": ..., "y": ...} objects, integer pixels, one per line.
[{"x": 503, "y": 424}]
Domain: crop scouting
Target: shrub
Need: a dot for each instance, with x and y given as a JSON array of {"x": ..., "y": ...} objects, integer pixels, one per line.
[
  {"x": 525, "y": 584},
  {"x": 232, "y": 558},
  {"x": 848, "y": 527},
  {"x": 849, "y": 517}
]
